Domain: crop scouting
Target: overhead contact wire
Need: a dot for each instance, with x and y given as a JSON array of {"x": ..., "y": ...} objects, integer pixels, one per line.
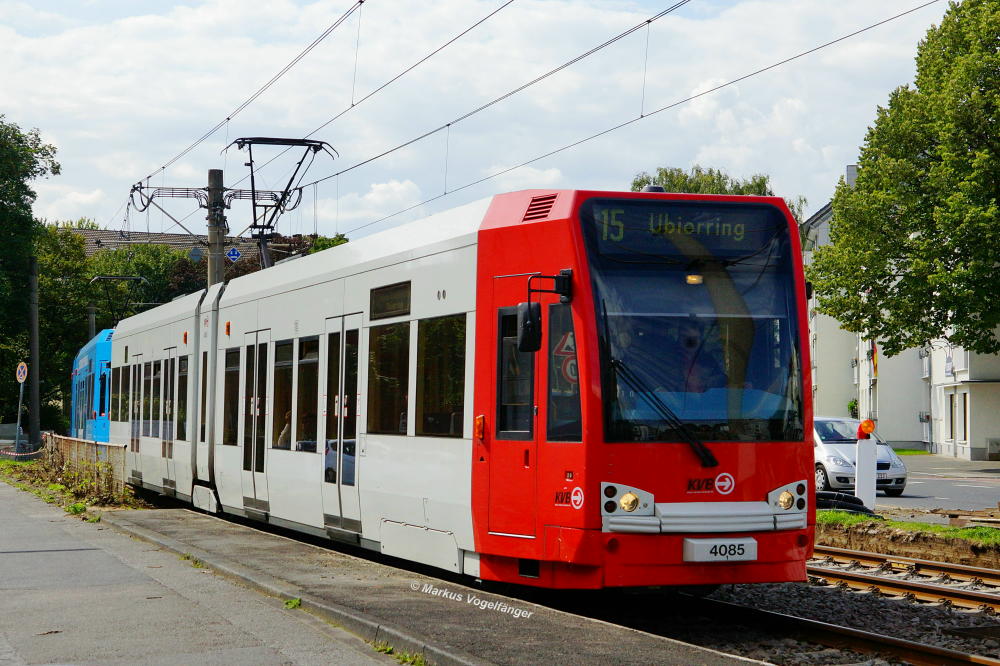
[
  {"x": 260, "y": 91},
  {"x": 510, "y": 93},
  {"x": 651, "y": 113}
]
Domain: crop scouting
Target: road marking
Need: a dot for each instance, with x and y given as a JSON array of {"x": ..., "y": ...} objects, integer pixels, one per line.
[
  {"x": 965, "y": 485},
  {"x": 916, "y": 482}
]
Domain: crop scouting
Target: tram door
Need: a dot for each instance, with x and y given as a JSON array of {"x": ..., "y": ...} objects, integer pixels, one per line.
[
  {"x": 167, "y": 433},
  {"x": 341, "y": 500},
  {"x": 513, "y": 464},
  {"x": 135, "y": 414},
  {"x": 255, "y": 421}
]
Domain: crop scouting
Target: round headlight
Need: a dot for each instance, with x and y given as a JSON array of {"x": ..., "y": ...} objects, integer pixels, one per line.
[
  {"x": 786, "y": 499},
  {"x": 629, "y": 502}
]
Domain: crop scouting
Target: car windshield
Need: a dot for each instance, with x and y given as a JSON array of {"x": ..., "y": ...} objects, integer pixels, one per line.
[
  {"x": 697, "y": 320},
  {"x": 840, "y": 431}
]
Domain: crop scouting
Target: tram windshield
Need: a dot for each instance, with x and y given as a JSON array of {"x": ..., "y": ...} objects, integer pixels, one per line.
[{"x": 696, "y": 319}]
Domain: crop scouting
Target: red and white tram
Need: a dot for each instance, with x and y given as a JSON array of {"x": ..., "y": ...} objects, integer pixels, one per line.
[{"x": 572, "y": 389}]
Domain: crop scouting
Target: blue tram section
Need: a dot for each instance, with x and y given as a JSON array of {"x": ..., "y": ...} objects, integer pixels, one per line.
[{"x": 92, "y": 389}]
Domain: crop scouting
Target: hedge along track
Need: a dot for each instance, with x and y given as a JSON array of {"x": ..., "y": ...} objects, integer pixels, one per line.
[
  {"x": 920, "y": 580},
  {"x": 844, "y": 638}
]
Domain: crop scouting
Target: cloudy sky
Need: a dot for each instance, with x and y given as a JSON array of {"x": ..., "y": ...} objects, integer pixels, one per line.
[{"x": 121, "y": 87}]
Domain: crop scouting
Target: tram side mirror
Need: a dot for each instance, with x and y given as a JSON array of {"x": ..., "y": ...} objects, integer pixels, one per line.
[
  {"x": 529, "y": 327},
  {"x": 809, "y": 291}
]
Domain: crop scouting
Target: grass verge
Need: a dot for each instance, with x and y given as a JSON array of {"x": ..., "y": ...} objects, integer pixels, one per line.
[
  {"x": 983, "y": 536},
  {"x": 77, "y": 487},
  {"x": 912, "y": 452}
]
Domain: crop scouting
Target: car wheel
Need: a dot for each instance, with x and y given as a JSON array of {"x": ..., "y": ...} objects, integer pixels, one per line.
[
  {"x": 894, "y": 492},
  {"x": 822, "y": 482}
]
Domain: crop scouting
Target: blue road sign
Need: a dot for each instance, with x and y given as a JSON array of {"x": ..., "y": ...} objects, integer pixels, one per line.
[
  {"x": 233, "y": 254},
  {"x": 22, "y": 372}
]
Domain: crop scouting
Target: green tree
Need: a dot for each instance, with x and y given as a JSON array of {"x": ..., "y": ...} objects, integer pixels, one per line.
[
  {"x": 63, "y": 296},
  {"x": 23, "y": 158},
  {"x": 326, "y": 242},
  {"x": 119, "y": 299},
  {"x": 712, "y": 181},
  {"x": 914, "y": 245}
]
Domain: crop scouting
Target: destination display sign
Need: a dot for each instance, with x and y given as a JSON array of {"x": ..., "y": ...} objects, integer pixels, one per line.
[{"x": 647, "y": 229}]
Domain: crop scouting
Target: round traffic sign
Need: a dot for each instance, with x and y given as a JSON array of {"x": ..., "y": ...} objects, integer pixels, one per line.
[{"x": 22, "y": 372}]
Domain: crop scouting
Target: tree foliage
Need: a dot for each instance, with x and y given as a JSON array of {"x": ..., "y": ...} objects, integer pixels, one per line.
[
  {"x": 914, "y": 245},
  {"x": 23, "y": 158},
  {"x": 713, "y": 181}
]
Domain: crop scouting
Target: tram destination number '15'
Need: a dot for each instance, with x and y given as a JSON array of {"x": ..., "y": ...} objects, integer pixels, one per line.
[{"x": 612, "y": 226}]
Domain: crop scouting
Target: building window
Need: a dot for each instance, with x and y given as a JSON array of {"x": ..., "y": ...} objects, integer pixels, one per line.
[
  {"x": 281, "y": 423},
  {"x": 307, "y": 395},
  {"x": 441, "y": 376},
  {"x": 951, "y": 416},
  {"x": 390, "y": 301},
  {"x": 388, "y": 378},
  {"x": 564, "y": 423},
  {"x": 515, "y": 377},
  {"x": 231, "y": 397},
  {"x": 965, "y": 417}
]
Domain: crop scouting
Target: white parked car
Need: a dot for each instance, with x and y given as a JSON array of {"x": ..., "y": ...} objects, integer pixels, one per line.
[{"x": 835, "y": 442}]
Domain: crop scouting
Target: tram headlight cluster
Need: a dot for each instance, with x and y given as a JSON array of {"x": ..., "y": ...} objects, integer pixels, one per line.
[
  {"x": 786, "y": 500},
  {"x": 629, "y": 502}
]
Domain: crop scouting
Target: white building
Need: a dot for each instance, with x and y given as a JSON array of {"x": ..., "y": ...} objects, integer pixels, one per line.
[
  {"x": 834, "y": 380},
  {"x": 963, "y": 397}
]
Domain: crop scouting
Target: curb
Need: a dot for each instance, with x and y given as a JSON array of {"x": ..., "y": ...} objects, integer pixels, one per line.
[{"x": 367, "y": 627}]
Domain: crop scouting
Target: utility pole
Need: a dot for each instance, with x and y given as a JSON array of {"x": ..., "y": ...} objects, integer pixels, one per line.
[
  {"x": 34, "y": 399},
  {"x": 216, "y": 228},
  {"x": 91, "y": 321}
]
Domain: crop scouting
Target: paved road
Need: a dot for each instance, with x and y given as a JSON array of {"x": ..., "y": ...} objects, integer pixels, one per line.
[
  {"x": 73, "y": 592},
  {"x": 946, "y": 483}
]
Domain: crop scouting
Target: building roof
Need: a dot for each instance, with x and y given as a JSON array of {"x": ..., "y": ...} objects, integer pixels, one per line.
[{"x": 102, "y": 239}]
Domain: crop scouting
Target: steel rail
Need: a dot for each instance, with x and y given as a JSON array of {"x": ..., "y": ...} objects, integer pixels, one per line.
[
  {"x": 914, "y": 589},
  {"x": 911, "y": 564},
  {"x": 848, "y": 638}
]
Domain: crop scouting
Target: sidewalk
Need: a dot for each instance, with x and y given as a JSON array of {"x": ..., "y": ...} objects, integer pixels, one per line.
[
  {"x": 79, "y": 593},
  {"x": 450, "y": 623},
  {"x": 946, "y": 466}
]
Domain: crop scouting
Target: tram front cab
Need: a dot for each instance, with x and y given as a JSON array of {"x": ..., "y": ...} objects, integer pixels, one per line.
[{"x": 689, "y": 465}]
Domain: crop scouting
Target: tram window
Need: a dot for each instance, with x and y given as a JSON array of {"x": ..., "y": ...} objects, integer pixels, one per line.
[
  {"x": 124, "y": 413},
  {"x": 231, "y": 397},
  {"x": 390, "y": 301},
  {"x": 332, "y": 386},
  {"x": 116, "y": 378},
  {"x": 307, "y": 395},
  {"x": 203, "y": 378},
  {"x": 154, "y": 405},
  {"x": 281, "y": 423},
  {"x": 515, "y": 393},
  {"x": 146, "y": 395},
  {"x": 441, "y": 376},
  {"x": 169, "y": 367},
  {"x": 182, "y": 397},
  {"x": 388, "y": 378},
  {"x": 564, "y": 378},
  {"x": 102, "y": 399}
]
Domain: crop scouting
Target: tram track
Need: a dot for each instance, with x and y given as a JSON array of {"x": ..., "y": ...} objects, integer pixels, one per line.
[
  {"x": 925, "y": 581},
  {"x": 844, "y": 638}
]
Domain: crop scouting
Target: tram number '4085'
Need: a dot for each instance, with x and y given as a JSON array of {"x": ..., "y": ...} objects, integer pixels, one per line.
[
  {"x": 727, "y": 550},
  {"x": 720, "y": 550}
]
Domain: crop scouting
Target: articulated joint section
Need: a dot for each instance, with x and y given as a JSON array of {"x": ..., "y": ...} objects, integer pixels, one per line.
[{"x": 631, "y": 510}]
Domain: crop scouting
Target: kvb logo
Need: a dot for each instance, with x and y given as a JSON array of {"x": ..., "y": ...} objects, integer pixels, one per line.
[{"x": 725, "y": 483}]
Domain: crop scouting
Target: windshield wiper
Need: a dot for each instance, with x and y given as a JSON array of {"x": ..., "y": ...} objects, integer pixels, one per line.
[{"x": 639, "y": 386}]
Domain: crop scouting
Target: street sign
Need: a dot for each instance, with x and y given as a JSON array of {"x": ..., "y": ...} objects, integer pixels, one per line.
[
  {"x": 195, "y": 254},
  {"x": 22, "y": 372},
  {"x": 233, "y": 254}
]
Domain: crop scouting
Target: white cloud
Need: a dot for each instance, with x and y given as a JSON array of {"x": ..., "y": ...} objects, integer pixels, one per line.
[{"x": 124, "y": 93}]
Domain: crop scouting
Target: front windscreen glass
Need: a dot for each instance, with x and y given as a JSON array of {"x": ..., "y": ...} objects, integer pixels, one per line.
[{"x": 696, "y": 319}]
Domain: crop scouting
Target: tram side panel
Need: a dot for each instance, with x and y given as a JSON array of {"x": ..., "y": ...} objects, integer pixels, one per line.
[{"x": 414, "y": 449}]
